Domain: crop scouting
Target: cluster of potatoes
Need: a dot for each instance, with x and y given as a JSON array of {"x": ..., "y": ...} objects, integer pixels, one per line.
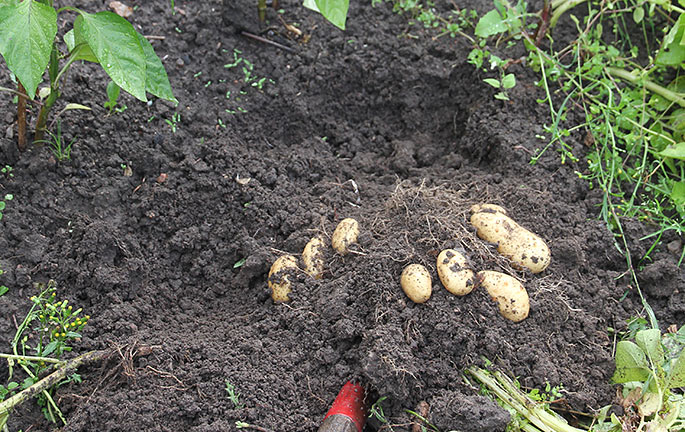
[
  {"x": 344, "y": 236},
  {"x": 524, "y": 248}
]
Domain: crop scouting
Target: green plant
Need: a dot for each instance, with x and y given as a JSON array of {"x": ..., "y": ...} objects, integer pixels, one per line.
[
  {"x": 27, "y": 42},
  {"x": 3, "y": 203},
  {"x": 650, "y": 367},
  {"x": 233, "y": 395},
  {"x": 334, "y": 11},
  {"x": 3, "y": 291},
  {"x": 113, "y": 91},
  {"x": 174, "y": 121},
  {"x": 45, "y": 334},
  {"x": 376, "y": 410},
  {"x": 60, "y": 150},
  {"x": 7, "y": 171}
]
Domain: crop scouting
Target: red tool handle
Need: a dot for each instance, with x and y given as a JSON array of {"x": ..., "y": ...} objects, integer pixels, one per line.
[{"x": 349, "y": 406}]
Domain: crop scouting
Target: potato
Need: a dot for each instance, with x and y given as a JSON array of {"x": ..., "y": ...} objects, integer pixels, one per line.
[
  {"x": 521, "y": 246},
  {"x": 313, "y": 257},
  {"x": 508, "y": 292},
  {"x": 492, "y": 208},
  {"x": 344, "y": 235},
  {"x": 416, "y": 283},
  {"x": 454, "y": 272},
  {"x": 279, "y": 278}
]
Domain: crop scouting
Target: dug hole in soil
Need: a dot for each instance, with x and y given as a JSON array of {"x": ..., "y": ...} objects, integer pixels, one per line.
[{"x": 372, "y": 123}]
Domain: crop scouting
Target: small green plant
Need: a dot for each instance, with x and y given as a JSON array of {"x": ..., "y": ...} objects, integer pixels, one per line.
[
  {"x": 174, "y": 121},
  {"x": 376, "y": 410},
  {"x": 506, "y": 81},
  {"x": 7, "y": 171},
  {"x": 233, "y": 395},
  {"x": 45, "y": 334},
  {"x": 113, "y": 91},
  {"x": 28, "y": 43},
  {"x": 3, "y": 203},
  {"x": 3, "y": 291},
  {"x": 60, "y": 150}
]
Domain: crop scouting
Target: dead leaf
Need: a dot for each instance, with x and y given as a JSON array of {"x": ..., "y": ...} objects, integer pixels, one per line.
[{"x": 121, "y": 9}]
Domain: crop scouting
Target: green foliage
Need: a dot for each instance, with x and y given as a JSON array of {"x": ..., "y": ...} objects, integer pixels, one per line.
[
  {"x": 113, "y": 91},
  {"x": 27, "y": 42},
  {"x": 334, "y": 11},
  {"x": 650, "y": 368},
  {"x": 233, "y": 395},
  {"x": 3, "y": 203},
  {"x": 60, "y": 150}
]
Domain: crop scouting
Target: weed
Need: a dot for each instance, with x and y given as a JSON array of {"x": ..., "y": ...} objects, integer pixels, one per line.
[
  {"x": 233, "y": 395},
  {"x": 45, "y": 334},
  {"x": 113, "y": 91},
  {"x": 3, "y": 291},
  {"x": 7, "y": 171},
  {"x": 239, "y": 263},
  {"x": 376, "y": 410},
  {"x": 59, "y": 149},
  {"x": 174, "y": 121}
]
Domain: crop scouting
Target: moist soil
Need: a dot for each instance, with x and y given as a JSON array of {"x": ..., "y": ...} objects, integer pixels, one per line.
[{"x": 165, "y": 221}]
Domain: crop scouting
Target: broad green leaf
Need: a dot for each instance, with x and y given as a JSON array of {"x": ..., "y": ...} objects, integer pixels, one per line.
[
  {"x": 638, "y": 14},
  {"x": 672, "y": 52},
  {"x": 678, "y": 193},
  {"x": 490, "y": 24},
  {"x": 49, "y": 348},
  {"x": 493, "y": 82},
  {"x": 113, "y": 91},
  {"x": 334, "y": 11},
  {"x": 156, "y": 79},
  {"x": 27, "y": 34},
  {"x": 676, "y": 376},
  {"x": 508, "y": 81},
  {"x": 650, "y": 342},
  {"x": 115, "y": 43},
  {"x": 631, "y": 363},
  {"x": 85, "y": 53},
  {"x": 676, "y": 151}
]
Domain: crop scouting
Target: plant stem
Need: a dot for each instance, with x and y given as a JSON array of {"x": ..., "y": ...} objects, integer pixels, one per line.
[
  {"x": 31, "y": 358},
  {"x": 48, "y": 382},
  {"x": 560, "y": 8},
  {"x": 21, "y": 118},
  {"x": 649, "y": 85},
  {"x": 53, "y": 71}
]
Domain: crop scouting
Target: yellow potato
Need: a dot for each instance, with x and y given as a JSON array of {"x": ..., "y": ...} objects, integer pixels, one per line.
[
  {"x": 518, "y": 244},
  {"x": 508, "y": 292},
  {"x": 492, "y": 208},
  {"x": 313, "y": 257},
  {"x": 416, "y": 283},
  {"x": 279, "y": 278},
  {"x": 454, "y": 272},
  {"x": 344, "y": 235}
]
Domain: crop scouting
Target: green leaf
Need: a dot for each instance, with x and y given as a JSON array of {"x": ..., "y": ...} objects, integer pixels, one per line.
[
  {"x": 115, "y": 43},
  {"x": 678, "y": 193},
  {"x": 75, "y": 106},
  {"x": 638, "y": 14},
  {"x": 3, "y": 291},
  {"x": 156, "y": 79},
  {"x": 490, "y": 24},
  {"x": 84, "y": 53},
  {"x": 493, "y": 82},
  {"x": 672, "y": 52},
  {"x": 676, "y": 151},
  {"x": 650, "y": 342},
  {"x": 334, "y": 11},
  {"x": 72, "y": 334},
  {"x": 631, "y": 363},
  {"x": 49, "y": 348},
  {"x": 113, "y": 91},
  {"x": 508, "y": 81},
  {"x": 27, "y": 34},
  {"x": 676, "y": 377}
]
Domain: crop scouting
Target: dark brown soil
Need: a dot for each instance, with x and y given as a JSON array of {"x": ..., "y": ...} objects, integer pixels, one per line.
[{"x": 398, "y": 132}]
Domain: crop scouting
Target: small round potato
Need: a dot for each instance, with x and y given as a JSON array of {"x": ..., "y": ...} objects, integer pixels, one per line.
[
  {"x": 521, "y": 246},
  {"x": 508, "y": 292},
  {"x": 416, "y": 283},
  {"x": 313, "y": 257},
  {"x": 344, "y": 235},
  {"x": 279, "y": 278},
  {"x": 454, "y": 272},
  {"x": 491, "y": 208}
]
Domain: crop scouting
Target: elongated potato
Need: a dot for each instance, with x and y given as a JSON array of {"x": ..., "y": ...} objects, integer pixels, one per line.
[
  {"x": 344, "y": 235},
  {"x": 454, "y": 272},
  {"x": 416, "y": 283},
  {"x": 521, "y": 246},
  {"x": 279, "y": 278},
  {"x": 508, "y": 292},
  {"x": 313, "y": 257}
]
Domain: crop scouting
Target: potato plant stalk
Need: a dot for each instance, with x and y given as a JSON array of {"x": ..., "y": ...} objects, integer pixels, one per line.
[
  {"x": 46, "y": 383},
  {"x": 21, "y": 118},
  {"x": 649, "y": 85},
  {"x": 535, "y": 412}
]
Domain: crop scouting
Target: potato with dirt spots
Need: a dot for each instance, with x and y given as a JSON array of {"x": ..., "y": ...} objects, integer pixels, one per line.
[
  {"x": 313, "y": 257},
  {"x": 345, "y": 234},
  {"x": 454, "y": 272},
  {"x": 522, "y": 247},
  {"x": 492, "y": 208},
  {"x": 279, "y": 278},
  {"x": 510, "y": 294},
  {"x": 416, "y": 283}
]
